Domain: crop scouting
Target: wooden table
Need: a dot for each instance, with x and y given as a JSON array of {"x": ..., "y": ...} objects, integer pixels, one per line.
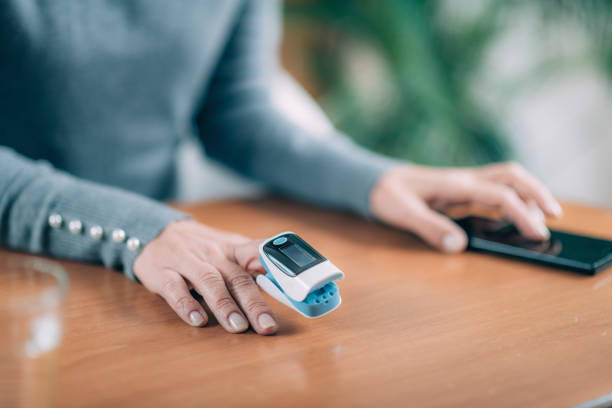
[{"x": 416, "y": 328}]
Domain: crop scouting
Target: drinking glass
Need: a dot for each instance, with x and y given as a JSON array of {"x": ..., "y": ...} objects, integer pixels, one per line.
[{"x": 32, "y": 293}]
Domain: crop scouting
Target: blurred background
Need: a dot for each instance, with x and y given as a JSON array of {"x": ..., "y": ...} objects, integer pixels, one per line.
[{"x": 466, "y": 82}]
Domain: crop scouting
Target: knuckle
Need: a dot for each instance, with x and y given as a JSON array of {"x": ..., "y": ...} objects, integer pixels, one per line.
[
  {"x": 508, "y": 196},
  {"x": 169, "y": 287},
  {"x": 213, "y": 249},
  {"x": 240, "y": 281},
  {"x": 417, "y": 214},
  {"x": 256, "y": 305},
  {"x": 462, "y": 182},
  {"x": 414, "y": 217},
  {"x": 223, "y": 302},
  {"x": 514, "y": 169},
  {"x": 229, "y": 250},
  {"x": 235, "y": 238},
  {"x": 210, "y": 278},
  {"x": 183, "y": 302}
]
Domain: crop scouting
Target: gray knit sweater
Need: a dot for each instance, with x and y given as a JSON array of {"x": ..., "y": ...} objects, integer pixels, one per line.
[{"x": 95, "y": 96}]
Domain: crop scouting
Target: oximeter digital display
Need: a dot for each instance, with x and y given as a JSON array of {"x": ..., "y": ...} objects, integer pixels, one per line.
[
  {"x": 298, "y": 275},
  {"x": 291, "y": 254},
  {"x": 298, "y": 255}
]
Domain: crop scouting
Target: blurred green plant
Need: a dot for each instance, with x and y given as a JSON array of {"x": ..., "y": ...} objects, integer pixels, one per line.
[{"x": 428, "y": 113}]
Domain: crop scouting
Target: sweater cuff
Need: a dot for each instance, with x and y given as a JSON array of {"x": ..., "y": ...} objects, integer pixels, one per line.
[
  {"x": 91, "y": 222},
  {"x": 362, "y": 173}
]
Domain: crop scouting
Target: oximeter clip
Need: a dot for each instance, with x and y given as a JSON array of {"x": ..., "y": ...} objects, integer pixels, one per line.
[{"x": 298, "y": 276}]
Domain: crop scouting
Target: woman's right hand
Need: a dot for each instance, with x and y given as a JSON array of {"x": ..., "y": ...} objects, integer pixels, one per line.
[{"x": 218, "y": 265}]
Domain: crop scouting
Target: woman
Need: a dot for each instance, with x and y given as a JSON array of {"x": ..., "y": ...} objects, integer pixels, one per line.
[{"x": 105, "y": 90}]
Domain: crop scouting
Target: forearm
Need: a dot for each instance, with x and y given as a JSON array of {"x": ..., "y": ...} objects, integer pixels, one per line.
[
  {"x": 260, "y": 143},
  {"x": 241, "y": 127},
  {"x": 33, "y": 195}
]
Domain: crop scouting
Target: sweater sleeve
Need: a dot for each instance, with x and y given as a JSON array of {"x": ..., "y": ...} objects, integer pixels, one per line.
[
  {"x": 45, "y": 211},
  {"x": 240, "y": 126}
]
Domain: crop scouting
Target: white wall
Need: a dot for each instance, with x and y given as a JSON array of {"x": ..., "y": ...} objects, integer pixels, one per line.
[{"x": 560, "y": 120}]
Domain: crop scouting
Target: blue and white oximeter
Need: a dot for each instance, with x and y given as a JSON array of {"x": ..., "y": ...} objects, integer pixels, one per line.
[{"x": 299, "y": 276}]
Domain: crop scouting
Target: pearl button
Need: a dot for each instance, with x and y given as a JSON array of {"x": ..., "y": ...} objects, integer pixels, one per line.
[
  {"x": 133, "y": 244},
  {"x": 75, "y": 226},
  {"x": 118, "y": 235},
  {"x": 96, "y": 232},
  {"x": 55, "y": 220}
]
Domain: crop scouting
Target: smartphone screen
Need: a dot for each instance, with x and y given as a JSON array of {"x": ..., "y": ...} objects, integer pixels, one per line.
[{"x": 570, "y": 251}]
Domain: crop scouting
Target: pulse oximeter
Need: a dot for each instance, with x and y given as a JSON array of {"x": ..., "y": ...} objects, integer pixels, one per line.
[{"x": 299, "y": 276}]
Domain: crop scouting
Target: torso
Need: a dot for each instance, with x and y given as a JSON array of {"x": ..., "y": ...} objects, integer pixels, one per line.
[{"x": 106, "y": 89}]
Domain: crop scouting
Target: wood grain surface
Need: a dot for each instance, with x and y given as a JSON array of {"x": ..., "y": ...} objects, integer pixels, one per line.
[{"x": 416, "y": 328}]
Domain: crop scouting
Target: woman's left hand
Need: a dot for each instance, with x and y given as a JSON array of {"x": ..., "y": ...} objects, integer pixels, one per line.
[{"x": 412, "y": 197}]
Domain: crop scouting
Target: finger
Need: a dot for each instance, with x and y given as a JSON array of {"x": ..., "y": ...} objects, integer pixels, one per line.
[
  {"x": 244, "y": 289},
  {"x": 515, "y": 176},
  {"x": 436, "y": 229},
  {"x": 209, "y": 283},
  {"x": 535, "y": 211},
  {"x": 173, "y": 289},
  {"x": 512, "y": 207},
  {"x": 247, "y": 256}
]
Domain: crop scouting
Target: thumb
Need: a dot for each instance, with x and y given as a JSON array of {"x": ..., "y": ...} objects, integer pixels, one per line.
[
  {"x": 437, "y": 230},
  {"x": 247, "y": 256}
]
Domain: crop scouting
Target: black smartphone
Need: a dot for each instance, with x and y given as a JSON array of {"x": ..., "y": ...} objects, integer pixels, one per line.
[{"x": 574, "y": 252}]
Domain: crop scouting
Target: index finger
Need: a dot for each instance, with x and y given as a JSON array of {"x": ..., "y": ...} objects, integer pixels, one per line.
[
  {"x": 247, "y": 256},
  {"x": 527, "y": 186}
]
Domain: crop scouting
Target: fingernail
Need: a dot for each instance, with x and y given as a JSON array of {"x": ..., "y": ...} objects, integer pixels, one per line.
[
  {"x": 196, "y": 318},
  {"x": 452, "y": 243},
  {"x": 556, "y": 209},
  {"x": 542, "y": 230},
  {"x": 238, "y": 322},
  {"x": 266, "y": 321}
]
